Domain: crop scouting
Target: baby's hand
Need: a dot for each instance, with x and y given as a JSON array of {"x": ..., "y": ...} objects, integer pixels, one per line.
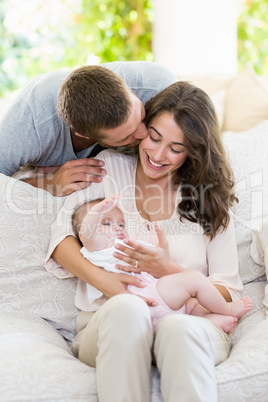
[{"x": 107, "y": 204}]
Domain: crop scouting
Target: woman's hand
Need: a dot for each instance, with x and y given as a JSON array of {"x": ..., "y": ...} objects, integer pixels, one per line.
[
  {"x": 154, "y": 260},
  {"x": 111, "y": 284}
]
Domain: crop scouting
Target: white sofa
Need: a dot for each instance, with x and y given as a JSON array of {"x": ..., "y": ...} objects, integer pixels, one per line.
[{"x": 37, "y": 310}]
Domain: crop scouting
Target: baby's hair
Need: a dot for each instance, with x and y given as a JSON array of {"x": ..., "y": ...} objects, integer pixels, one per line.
[{"x": 79, "y": 214}]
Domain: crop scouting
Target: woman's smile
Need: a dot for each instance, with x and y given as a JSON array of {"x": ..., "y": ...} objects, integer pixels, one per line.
[{"x": 153, "y": 164}]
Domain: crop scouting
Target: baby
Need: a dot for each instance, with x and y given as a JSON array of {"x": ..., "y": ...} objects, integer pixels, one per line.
[{"x": 100, "y": 224}]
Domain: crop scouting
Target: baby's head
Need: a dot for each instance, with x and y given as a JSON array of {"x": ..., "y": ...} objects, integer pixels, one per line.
[{"x": 112, "y": 223}]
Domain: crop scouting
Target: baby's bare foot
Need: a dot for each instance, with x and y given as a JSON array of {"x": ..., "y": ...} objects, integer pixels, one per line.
[
  {"x": 226, "y": 322},
  {"x": 241, "y": 306}
]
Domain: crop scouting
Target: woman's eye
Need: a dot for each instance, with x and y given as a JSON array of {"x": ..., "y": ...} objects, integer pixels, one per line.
[
  {"x": 152, "y": 138},
  {"x": 107, "y": 223},
  {"x": 122, "y": 225},
  {"x": 175, "y": 151}
]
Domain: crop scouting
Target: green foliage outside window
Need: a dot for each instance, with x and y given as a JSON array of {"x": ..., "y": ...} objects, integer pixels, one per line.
[
  {"x": 116, "y": 30},
  {"x": 70, "y": 33},
  {"x": 82, "y": 32},
  {"x": 252, "y": 32}
]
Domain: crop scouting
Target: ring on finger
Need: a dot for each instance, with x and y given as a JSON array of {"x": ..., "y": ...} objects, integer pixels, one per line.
[{"x": 136, "y": 264}]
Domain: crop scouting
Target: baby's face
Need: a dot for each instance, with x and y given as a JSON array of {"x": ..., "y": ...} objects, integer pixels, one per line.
[{"x": 113, "y": 224}]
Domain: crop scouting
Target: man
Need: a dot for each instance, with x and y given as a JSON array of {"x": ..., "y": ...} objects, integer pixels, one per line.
[{"x": 59, "y": 117}]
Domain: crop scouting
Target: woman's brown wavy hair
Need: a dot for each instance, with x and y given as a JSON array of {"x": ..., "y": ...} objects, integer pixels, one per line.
[{"x": 206, "y": 179}]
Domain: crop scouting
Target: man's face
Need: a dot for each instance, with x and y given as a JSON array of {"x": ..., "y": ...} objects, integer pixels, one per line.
[{"x": 128, "y": 133}]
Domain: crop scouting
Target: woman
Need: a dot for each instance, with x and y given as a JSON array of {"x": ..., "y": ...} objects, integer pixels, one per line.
[{"x": 181, "y": 180}]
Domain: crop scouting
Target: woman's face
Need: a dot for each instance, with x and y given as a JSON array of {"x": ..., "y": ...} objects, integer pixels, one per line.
[{"x": 163, "y": 151}]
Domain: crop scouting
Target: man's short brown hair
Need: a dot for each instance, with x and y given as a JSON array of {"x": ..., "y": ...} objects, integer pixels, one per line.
[{"x": 93, "y": 98}]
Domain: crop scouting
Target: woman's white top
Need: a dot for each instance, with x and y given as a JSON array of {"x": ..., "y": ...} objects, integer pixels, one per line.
[{"x": 188, "y": 245}]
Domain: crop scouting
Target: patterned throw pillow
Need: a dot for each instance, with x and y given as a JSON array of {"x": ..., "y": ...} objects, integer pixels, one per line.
[
  {"x": 248, "y": 155},
  {"x": 27, "y": 290}
]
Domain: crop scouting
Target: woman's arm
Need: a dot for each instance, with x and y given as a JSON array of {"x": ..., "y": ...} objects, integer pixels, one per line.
[{"x": 67, "y": 254}]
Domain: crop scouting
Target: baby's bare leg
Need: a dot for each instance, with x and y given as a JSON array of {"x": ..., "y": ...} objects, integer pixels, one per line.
[
  {"x": 176, "y": 289},
  {"x": 226, "y": 322}
]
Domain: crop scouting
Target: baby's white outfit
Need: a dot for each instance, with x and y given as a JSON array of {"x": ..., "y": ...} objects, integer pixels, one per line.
[{"x": 104, "y": 258}]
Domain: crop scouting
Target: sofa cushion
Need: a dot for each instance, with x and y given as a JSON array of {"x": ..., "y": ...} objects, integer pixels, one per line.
[
  {"x": 210, "y": 83},
  {"x": 246, "y": 101},
  {"x": 218, "y": 99},
  {"x": 248, "y": 155},
  {"x": 27, "y": 291},
  {"x": 37, "y": 365},
  {"x": 259, "y": 251},
  {"x": 216, "y": 87}
]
